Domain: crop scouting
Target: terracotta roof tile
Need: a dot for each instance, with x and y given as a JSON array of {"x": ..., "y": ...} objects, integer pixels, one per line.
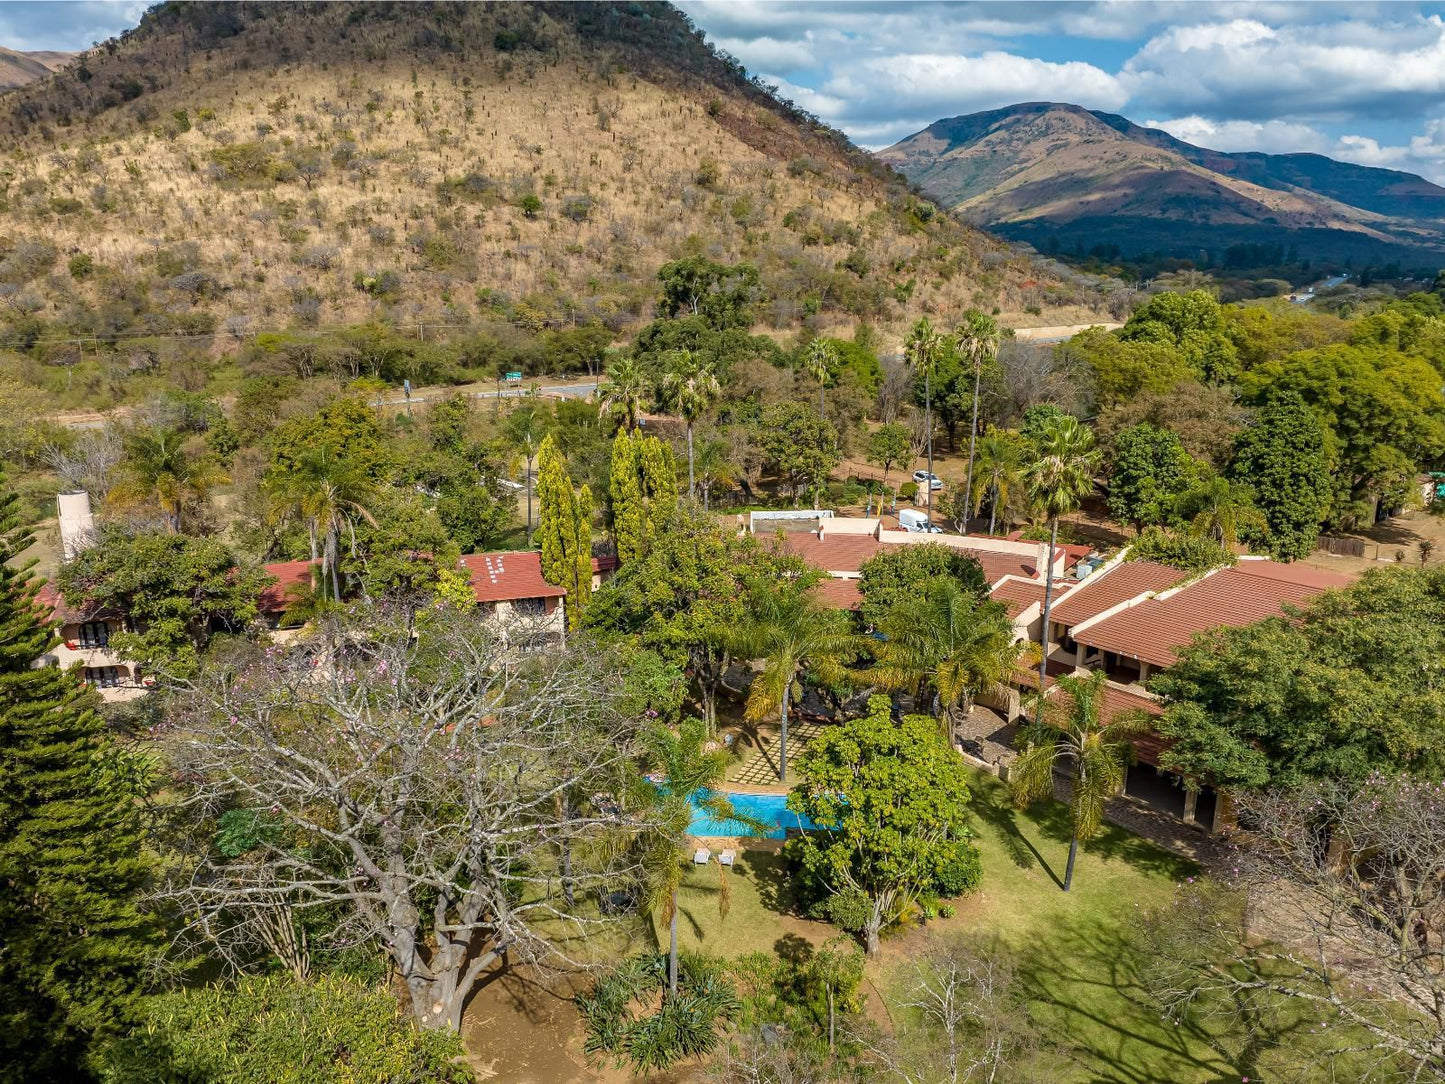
[
  {"x": 1116, "y": 700},
  {"x": 1018, "y": 595},
  {"x": 1124, "y": 581},
  {"x": 1155, "y": 629},
  {"x": 839, "y": 594},
  {"x": 832, "y": 553},
  {"x": 507, "y": 577},
  {"x": 292, "y": 578}
]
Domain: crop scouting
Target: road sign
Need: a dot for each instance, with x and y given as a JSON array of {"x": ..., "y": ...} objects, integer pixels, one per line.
[{"x": 514, "y": 378}]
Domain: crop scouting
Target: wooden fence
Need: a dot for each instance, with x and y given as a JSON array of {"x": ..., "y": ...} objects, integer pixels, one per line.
[{"x": 1342, "y": 547}]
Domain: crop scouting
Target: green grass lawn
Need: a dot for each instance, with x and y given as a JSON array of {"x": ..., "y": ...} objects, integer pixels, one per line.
[{"x": 1077, "y": 956}]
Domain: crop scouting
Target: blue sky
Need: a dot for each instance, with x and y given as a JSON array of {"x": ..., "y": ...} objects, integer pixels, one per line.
[{"x": 1359, "y": 81}]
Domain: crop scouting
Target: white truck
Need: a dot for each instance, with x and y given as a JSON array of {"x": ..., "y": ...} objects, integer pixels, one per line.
[{"x": 911, "y": 519}]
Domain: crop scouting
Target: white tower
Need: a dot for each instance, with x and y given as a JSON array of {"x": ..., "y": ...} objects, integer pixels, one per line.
[{"x": 77, "y": 523}]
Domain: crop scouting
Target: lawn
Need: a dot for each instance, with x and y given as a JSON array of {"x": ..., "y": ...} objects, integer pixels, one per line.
[{"x": 1077, "y": 956}]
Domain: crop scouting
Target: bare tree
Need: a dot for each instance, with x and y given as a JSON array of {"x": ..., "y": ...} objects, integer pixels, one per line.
[
  {"x": 1030, "y": 374},
  {"x": 91, "y": 463},
  {"x": 1336, "y": 910},
  {"x": 895, "y": 391},
  {"x": 416, "y": 783}
]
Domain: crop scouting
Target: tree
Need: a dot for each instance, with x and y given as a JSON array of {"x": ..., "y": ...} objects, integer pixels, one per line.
[
  {"x": 1283, "y": 458},
  {"x": 565, "y": 529},
  {"x": 347, "y": 425},
  {"x": 790, "y": 631},
  {"x": 625, "y": 493},
  {"x": 819, "y": 361},
  {"x": 1124, "y": 370},
  {"x": 1194, "y": 324},
  {"x": 174, "y": 591},
  {"x": 921, "y": 352},
  {"x": 159, "y": 470},
  {"x": 978, "y": 337},
  {"x": 720, "y": 294},
  {"x": 999, "y": 471},
  {"x": 1336, "y": 693},
  {"x": 1205, "y": 418},
  {"x": 714, "y": 468},
  {"x": 1149, "y": 473},
  {"x": 328, "y": 494},
  {"x": 889, "y": 445},
  {"x": 692, "y": 768},
  {"x": 525, "y": 429},
  {"x": 1060, "y": 475},
  {"x": 1096, "y": 751},
  {"x": 1219, "y": 509},
  {"x": 690, "y": 386},
  {"x": 949, "y": 643},
  {"x": 626, "y": 391},
  {"x": 73, "y": 861},
  {"x": 802, "y": 447},
  {"x": 891, "y": 804},
  {"x": 896, "y": 574},
  {"x": 413, "y": 787},
  {"x": 1331, "y": 871}
]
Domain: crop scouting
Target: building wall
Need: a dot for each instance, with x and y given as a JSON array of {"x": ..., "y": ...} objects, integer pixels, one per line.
[{"x": 70, "y": 652}]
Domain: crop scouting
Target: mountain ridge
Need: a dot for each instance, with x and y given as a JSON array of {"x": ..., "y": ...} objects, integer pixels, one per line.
[{"x": 18, "y": 68}]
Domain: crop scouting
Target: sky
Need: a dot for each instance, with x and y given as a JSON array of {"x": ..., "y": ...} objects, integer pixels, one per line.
[{"x": 1364, "y": 82}]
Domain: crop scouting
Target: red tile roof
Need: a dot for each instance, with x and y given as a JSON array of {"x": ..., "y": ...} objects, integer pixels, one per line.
[
  {"x": 832, "y": 553},
  {"x": 293, "y": 578},
  {"x": 998, "y": 565},
  {"x": 56, "y": 608},
  {"x": 507, "y": 577},
  {"x": 1155, "y": 629},
  {"x": 1115, "y": 702},
  {"x": 839, "y": 594},
  {"x": 1113, "y": 586},
  {"x": 1019, "y": 595}
]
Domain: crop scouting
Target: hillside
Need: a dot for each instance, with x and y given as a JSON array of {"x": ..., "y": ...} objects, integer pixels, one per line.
[
  {"x": 234, "y": 168},
  {"x": 1059, "y": 174},
  {"x": 17, "y": 69}
]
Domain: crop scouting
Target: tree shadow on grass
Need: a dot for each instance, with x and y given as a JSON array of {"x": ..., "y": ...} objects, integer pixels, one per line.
[
  {"x": 769, "y": 871},
  {"x": 1004, "y": 821}
]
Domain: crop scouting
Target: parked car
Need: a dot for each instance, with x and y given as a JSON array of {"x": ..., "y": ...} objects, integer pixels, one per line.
[
  {"x": 911, "y": 519},
  {"x": 933, "y": 481}
]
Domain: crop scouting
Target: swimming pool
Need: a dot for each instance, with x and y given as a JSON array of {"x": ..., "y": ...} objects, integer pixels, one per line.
[{"x": 771, "y": 809}]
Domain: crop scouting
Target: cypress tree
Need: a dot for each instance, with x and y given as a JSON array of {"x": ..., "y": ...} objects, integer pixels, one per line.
[
  {"x": 564, "y": 531},
  {"x": 625, "y": 489},
  {"x": 74, "y": 943},
  {"x": 579, "y": 594},
  {"x": 659, "y": 481}
]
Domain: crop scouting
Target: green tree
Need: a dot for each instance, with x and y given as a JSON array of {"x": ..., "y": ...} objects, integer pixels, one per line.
[
  {"x": 790, "y": 632},
  {"x": 160, "y": 470},
  {"x": 819, "y": 362},
  {"x": 73, "y": 864},
  {"x": 802, "y": 447},
  {"x": 999, "y": 471},
  {"x": 328, "y": 494},
  {"x": 1059, "y": 477},
  {"x": 888, "y": 446},
  {"x": 1149, "y": 472},
  {"x": 1283, "y": 458},
  {"x": 714, "y": 468},
  {"x": 565, "y": 530},
  {"x": 626, "y": 391},
  {"x": 525, "y": 429},
  {"x": 625, "y": 494},
  {"x": 690, "y": 386},
  {"x": 720, "y": 294},
  {"x": 978, "y": 338},
  {"x": 1219, "y": 509},
  {"x": 922, "y": 351},
  {"x": 1123, "y": 370},
  {"x": 1194, "y": 324},
  {"x": 347, "y": 425},
  {"x": 949, "y": 644},
  {"x": 1336, "y": 693},
  {"x": 174, "y": 589},
  {"x": 1095, "y": 751},
  {"x": 891, "y": 804},
  {"x": 896, "y": 574}
]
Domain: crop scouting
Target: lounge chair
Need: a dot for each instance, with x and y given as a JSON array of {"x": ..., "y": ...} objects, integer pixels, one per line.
[
  {"x": 700, "y": 856},
  {"x": 725, "y": 858}
]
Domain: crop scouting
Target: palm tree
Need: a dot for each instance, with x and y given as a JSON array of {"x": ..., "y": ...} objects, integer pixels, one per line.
[
  {"x": 950, "y": 642},
  {"x": 790, "y": 631},
  {"x": 999, "y": 470},
  {"x": 921, "y": 353},
  {"x": 1076, "y": 737},
  {"x": 159, "y": 469},
  {"x": 978, "y": 335},
  {"x": 691, "y": 386},
  {"x": 690, "y": 773},
  {"x": 329, "y": 494},
  {"x": 1061, "y": 474},
  {"x": 819, "y": 361},
  {"x": 525, "y": 429},
  {"x": 625, "y": 391},
  {"x": 1217, "y": 508},
  {"x": 714, "y": 468}
]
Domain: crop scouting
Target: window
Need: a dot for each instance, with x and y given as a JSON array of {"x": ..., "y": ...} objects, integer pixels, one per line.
[
  {"x": 530, "y": 607},
  {"x": 95, "y": 634},
  {"x": 104, "y": 677}
]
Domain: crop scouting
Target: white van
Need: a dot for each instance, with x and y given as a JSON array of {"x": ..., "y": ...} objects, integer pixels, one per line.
[{"x": 911, "y": 519}]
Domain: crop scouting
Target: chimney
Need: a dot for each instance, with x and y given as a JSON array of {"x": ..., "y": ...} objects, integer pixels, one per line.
[{"x": 77, "y": 524}]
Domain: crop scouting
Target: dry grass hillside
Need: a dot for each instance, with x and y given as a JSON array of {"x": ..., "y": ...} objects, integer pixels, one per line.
[
  {"x": 17, "y": 68},
  {"x": 230, "y": 168}
]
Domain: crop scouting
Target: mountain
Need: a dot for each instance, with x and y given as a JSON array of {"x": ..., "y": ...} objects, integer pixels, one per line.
[
  {"x": 17, "y": 69},
  {"x": 251, "y": 166},
  {"x": 1061, "y": 176}
]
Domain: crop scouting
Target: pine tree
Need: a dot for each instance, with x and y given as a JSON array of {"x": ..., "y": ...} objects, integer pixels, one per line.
[
  {"x": 625, "y": 490},
  {"x": 72, "y": 860}
]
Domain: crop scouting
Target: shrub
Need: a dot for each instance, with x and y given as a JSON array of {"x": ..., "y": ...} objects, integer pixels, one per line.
[
  {"x": 908, "y": 490},
  {"x": 379, "y": 284},
  {"x": 849, "y": 910},
  {"x": 577, "y": 208},
  {"x": 1193, "y": 553},
  {"x": 960, "y": 873},
  {"x": 81, "y": 267},
  {"x": 66, "y": 205},
  {"x": 709, "y": 173},
  {"x": 531, "y": 205}
]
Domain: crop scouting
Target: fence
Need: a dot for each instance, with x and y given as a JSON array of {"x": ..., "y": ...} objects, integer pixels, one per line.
[{"x": 1342, "y": 547}]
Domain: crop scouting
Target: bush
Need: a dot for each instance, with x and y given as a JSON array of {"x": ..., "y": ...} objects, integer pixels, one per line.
[
  {"x": 1193, "y": 553},
  {"x": 849, "y": 910},
  {"x": 81, "y": 267},
  {"x": 908, "y": 490},
  {"x": 272, "y": 1028},
  {"x": 531, "y": 205},
  {"x": 960, "y": 873}
]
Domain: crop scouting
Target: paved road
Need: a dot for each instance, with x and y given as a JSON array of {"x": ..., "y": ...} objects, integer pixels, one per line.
[{"x": 560, "y": 391}]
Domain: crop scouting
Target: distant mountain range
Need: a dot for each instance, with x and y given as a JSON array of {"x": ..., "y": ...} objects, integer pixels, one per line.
[
  {"x": 17, "y": 69},
  {"x": 1069, "y": 179}
]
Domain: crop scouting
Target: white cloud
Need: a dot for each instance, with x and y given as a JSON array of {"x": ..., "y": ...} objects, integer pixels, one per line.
[
  {"x": 770, "y": 54},
  {"x": 1272, "y": 137}
]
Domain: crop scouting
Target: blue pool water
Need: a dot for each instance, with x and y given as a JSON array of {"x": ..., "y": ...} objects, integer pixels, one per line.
[{"x": 771, "y": 809}]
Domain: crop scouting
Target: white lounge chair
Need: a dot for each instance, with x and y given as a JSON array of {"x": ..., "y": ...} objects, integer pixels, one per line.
[
  {"x": 700, "y": 856},
  {"x": 725, "y": 858}
]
